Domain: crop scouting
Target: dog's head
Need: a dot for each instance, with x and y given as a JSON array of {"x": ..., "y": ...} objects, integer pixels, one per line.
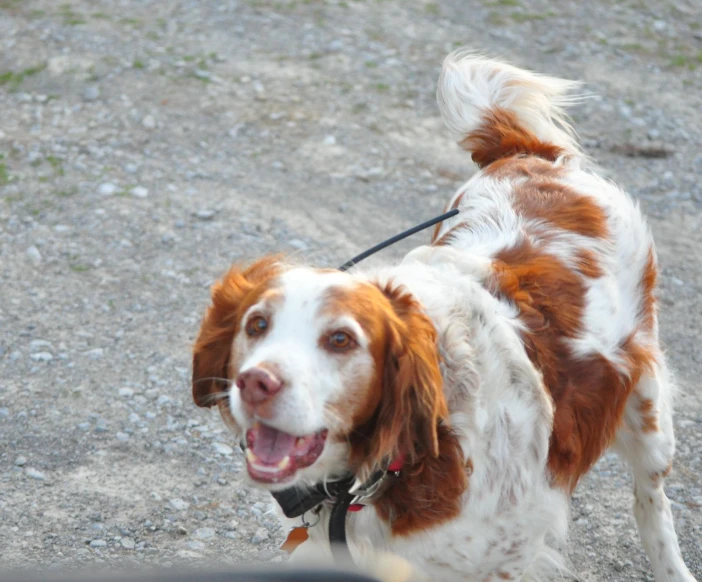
[{"x": 322, "y": 372}]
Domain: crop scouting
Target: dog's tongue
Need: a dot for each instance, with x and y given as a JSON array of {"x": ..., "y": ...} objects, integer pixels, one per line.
[{"x": 271, "y": 445}]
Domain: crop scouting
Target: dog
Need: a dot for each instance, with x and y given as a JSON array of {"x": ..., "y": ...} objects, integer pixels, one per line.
[{"x": 492, "y": 367}]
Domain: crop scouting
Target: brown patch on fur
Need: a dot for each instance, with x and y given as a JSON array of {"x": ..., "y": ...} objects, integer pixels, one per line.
[
  {"x": 501, "y": 136},
  {"x": 520, "y": 167},
  {"x": 504, "y": 575},
  {"x": 561, "y": 206},
  {"x": 587, "y": 264},
  {"x": 649, "y": 282},
  {"x": 403, "y": 411},
  {"x": 429, "y": 492},
  {"x": 589, "y": 393},
  {"x": 406, "y": 401},
  {"x": 231, "y": 296}
]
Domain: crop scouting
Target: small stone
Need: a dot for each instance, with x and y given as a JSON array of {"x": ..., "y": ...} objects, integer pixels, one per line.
[
  {"x": 149, "y": 122},
  {"x": 205, "y": 214},
  {"x": 36, "y": 344},
  {"x": 107, "y": 189},
  {"x": 91, "y": 93},
  {"x": 34, "y": 255},
  {"x": 140, "y": 192},
  {"x": 131, "y": 168},
  {"x": 204, "y": 533},
  {"x": 98, "y": 543},
  {"x": 179, "y": 504},
  {"x": 122, "y": 436},
  {"x": 42, "y": 357},
  {"x": 260, "y": 536},
  {"x": 127, "y": 543},
  {"x": 330, "y": 140},
  {"x": 298, "y": 244},
  {"x": 196, "y": 545},
  {"x": 181, "y": 531},
  {"x": 4, "y": 412},
  {"x": 35, "y": 474},
  {"x": 126, "y": 392},
  {"x": 222, "y": 449},
  {"x": 203, "y": 74},
  {"x": 20, "y": 461}
]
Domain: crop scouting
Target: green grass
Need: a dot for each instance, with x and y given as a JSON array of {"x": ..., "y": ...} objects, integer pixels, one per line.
[
  {"x": 432, "y": 8},
  {"x": 686, "y": 61},
  {"x": 531, "y": 16},
  {"x": 138, "y": 64},
  {"x": 56, "y": 164},
  {"x": 4, "y": 174},
  {"x": 70, "y": 17},
  {"x": 13, "y": 79}
]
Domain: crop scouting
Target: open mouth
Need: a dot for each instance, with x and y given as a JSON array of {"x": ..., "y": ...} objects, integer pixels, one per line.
[{"x": 273, "y": 456}]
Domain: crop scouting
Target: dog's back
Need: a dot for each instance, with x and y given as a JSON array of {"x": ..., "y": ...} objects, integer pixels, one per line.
[{"x": 573, "y": 254}]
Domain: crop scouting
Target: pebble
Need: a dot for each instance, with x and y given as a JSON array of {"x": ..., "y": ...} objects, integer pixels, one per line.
[
  {"x": 330, "y": 140},
  {"x": 126, "y": 392},
  {"x": 107, "y": 189},
  {"x": 298, "y": 244},
  {"x": 179, "y": 504},
  {"x": 127, "y": 543},
  {"x": 42, "y": 357},
  {"x": 34, "y": 255},
  {"x": 149, "y": 122},
  {"x": 35, "y": 474},
  {"x": 204, "y": 533},
  {"x": 196, "y": 545},
  {"x": 122, "y": 436},
  {"x": 205, "y": 214},
  {"x": 91, "y": 93},
  {"x": 20, "y": 461},
  {"x": 260, "y": 536},
  {"x": 4, "y": 412},
  {"x": 222, "y": 449},
  {"x": 98, "y": 543},
  {"x": 140, "y": 192}
]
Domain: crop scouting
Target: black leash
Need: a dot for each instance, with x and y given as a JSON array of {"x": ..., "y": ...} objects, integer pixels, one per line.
[
  {"x": 296, "y": 501},
  {"x": 398, "y": 237}
]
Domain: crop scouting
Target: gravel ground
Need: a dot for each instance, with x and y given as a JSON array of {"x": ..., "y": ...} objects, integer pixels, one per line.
[{"x": 145, "y": 145}]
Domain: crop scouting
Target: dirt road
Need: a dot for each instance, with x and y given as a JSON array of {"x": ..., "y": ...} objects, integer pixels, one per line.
[{"x": 145, "y": 145}]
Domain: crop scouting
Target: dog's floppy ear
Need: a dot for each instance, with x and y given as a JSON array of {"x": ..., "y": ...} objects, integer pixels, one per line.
[
  {"x": 213, "y": 346},
  {"x": 412, "y": 401}
]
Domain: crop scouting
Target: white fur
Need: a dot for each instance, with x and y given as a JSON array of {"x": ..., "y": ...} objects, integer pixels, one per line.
[{"x": 512, "y": 519}]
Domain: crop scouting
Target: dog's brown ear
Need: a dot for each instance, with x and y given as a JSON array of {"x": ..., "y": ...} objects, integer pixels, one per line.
[
  {"x": 212, "y": 348},
  {"x": 412, "y": 402}
]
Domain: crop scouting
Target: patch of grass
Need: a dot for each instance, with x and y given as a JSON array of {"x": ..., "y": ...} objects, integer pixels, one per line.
[
  {"x": 4, "y": 174},
  {"x": 432, "y": 8},
  {"x": 686, "y": 61},
  {"x": 101, "y": 16},
  {"x": 359, "y": 108},
  {"x": 512, "y": 3},
  {"x": 382, "y": 87},
  {"x": 135, "y": 22},
  {"x": 67, "y": 193},
  {"x": 37, "y": 14},
  {"x": 70, "y": 17},
  {"x": 496, "y": 19},
  {"x": 371, "y": 64},
  {"x": 13, "y": 79},
  {"x": 531, "y": 16},
  {"x": 56, "y": 164},
  {"x": 138, "y": 64},
  {"x": 79, "y": 267}
]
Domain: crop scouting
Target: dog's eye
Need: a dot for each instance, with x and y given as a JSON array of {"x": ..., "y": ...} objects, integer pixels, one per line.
[
  {"x": 257, "y": 325},
  {"x": 340, "y": 341}
]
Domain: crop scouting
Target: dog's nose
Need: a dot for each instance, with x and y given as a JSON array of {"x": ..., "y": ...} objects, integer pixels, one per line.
[{"x": 258, "y": 385}]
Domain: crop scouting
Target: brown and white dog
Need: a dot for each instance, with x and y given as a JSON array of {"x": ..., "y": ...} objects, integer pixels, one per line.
[{"x": 499, "y": 362}]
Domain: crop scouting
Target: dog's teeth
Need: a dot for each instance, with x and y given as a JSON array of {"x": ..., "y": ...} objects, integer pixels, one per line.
[
  {"x": 284, "y": 462},
  {"x": 250, "y": 456}
]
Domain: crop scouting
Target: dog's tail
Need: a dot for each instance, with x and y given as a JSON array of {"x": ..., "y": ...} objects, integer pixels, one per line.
[{"x": 497, "y": 110}]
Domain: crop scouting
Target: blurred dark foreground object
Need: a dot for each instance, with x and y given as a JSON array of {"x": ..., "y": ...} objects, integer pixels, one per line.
[{"x": 248, "y": 574}]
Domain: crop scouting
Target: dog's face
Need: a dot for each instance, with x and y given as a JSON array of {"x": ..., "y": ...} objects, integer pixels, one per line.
[{"x": 322, "y": 372}]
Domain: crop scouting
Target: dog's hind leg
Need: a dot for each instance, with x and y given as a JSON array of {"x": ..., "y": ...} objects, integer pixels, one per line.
[{"x": 647, "y": 442}]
